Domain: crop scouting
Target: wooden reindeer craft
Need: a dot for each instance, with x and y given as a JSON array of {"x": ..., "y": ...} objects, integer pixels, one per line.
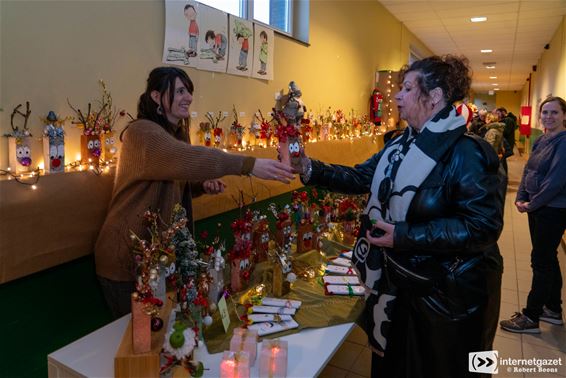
[
  {"x": 20, "y": 142},
  {"x": 91, "y": 145}
]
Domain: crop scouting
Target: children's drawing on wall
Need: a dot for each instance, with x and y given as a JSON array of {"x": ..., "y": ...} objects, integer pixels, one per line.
[
  {"x": 213, "y": 39},
  {"x": 191, "y": 15},
  {"x": 241, "y": 46},
  {"x": 181, "y": 33},
  {"x": 263, "y": 53}
]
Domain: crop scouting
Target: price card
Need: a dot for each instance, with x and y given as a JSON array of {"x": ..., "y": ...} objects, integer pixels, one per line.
[{"x": 224, "y": 314}]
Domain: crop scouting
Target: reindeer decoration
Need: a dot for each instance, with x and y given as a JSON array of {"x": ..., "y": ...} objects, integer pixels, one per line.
[
  {"x": 19, "y": 142},
  {"x": 216, "y": 130},
  {"x": 53, "y": 143},
  {"x": 90, "y": 139}
]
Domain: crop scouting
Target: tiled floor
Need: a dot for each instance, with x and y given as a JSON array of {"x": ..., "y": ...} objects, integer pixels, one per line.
[{"x": 353, "y": 359}]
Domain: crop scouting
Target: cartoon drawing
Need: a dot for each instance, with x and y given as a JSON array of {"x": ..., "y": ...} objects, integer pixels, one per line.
[
  {"x": 243, "y": 33},
  {"x": 263, "y": 53},
  {"x": 217, "y": 44},
  {"x": 191, "y": 16}
]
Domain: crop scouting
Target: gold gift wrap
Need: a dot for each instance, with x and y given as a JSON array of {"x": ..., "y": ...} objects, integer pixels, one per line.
[{"x": 317, "y": 310}]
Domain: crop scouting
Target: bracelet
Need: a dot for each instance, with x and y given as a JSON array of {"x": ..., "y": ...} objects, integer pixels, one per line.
[{"x": 306, "y": 176}]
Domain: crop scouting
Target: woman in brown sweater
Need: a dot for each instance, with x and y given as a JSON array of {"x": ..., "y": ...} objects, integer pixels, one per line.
[{"x": 158, "y": 168}]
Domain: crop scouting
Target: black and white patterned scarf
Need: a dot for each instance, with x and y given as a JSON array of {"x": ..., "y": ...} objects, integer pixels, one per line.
[{"x": 402, "y": 168}]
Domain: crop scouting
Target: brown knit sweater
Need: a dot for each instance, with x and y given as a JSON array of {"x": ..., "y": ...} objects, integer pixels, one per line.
[{"x": 152, "y": 173}]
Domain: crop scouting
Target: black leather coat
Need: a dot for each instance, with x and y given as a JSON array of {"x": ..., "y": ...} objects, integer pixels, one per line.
[{"x": 452, "y": 226}]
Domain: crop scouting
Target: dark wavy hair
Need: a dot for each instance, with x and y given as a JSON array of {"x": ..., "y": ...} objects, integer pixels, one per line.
[
  {"x": 161, "y": 79},
  {"x": 560, "y": 102},
  {"x": 450, "y": 73}
]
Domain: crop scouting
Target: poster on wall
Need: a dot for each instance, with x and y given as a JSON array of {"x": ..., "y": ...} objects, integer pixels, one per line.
[
  {"x": 264, "y": 47},
  {"x": 181, "y": 33},
  {"x": 213, "y": 39},
  {"x": 241, "y": 46}
]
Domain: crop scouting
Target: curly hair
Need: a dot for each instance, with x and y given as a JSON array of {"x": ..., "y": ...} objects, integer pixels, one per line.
[{"x": 450, "y": 73}]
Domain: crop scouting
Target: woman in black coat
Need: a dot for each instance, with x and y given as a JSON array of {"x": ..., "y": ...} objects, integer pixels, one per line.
[{"x": 427, "y": 251}]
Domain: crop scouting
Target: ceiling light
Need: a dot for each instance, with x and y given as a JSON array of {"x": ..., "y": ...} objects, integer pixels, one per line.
[
  {"x": 495, "y": 89},
  {"x": 478, "y": 19},
  {"x": 493, "y": 77},
  {"x": 490, "y": 67},
  {"x": 486, "y": 51},
  {"x": 494, "y": 84}
]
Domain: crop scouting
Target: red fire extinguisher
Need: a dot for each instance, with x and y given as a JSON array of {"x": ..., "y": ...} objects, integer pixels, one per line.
[{"x": 376, "y": 101}]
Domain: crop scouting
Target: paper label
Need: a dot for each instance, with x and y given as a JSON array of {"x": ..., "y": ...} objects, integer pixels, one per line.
[
  {"x": 278, "y": 302},
  {"x": 342, "y": 261},
  {"x": 341, "y": 280},
  {"x": 337, "y": 269},
  {"x": 224, "y": 314},
  {"x": 345, "y": 290},
  {"x": 272, "y": 327},
  {"x": 274, "y": 310}
]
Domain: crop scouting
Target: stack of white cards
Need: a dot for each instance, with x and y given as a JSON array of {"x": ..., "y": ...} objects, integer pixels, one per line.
[
  {"x": 340, "y": 278},
  {"x": 273, "y": 315}
]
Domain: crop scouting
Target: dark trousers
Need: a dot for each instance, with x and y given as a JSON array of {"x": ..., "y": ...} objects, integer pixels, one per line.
[
  {"x": 118, "y": 296},
  {"x": 546, "y": 226}
]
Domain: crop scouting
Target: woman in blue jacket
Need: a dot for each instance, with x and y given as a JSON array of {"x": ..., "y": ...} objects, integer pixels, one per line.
[{"x": 542, "y": 195}]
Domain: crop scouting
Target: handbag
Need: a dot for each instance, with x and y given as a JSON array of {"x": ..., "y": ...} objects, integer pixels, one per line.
[{"x": 419, "y": 274}]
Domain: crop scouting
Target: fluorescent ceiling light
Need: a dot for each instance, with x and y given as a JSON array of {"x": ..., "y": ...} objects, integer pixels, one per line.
[
  {"x": 493, "y": 77},
  {"x": 494, "y": 84},
  {"x": 478, "y": 19},
  {"x": 486, "y": 51},
  {"x": 495, "y": 89},
  {"x": 490, "y": 67}
]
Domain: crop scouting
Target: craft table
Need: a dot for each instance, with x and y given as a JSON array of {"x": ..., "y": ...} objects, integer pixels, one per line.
[{"x": 93, "y": 355}]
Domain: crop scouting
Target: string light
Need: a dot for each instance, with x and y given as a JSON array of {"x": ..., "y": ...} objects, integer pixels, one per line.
[{"x": 32, "y": 178}]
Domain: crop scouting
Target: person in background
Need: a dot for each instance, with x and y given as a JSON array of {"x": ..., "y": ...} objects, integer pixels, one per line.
[
  {"x": 493, "y": 132},
  {"x": 157, "y": 169},
  {"x": 427, "y": 250},
  {"x": 542, "y": 195},
  {"x": 509, "y": 133},
  {"x": 478, "y": 122}
]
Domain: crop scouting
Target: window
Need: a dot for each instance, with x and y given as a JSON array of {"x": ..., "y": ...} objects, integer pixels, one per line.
[
  {"x": 229, "y": 6},
  {"x": 275, "y": 13},
  {"x": 288, "y": 17}
]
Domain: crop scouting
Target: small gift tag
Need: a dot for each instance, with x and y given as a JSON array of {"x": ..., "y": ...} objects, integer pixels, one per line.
[
  {"x": 224, "y": 314},
  {"x": 273, "y": 310},
  {"x": 344, "y": 290},
  {"x": 341, "y": 280},
  {"x": 336, "y": 269}
]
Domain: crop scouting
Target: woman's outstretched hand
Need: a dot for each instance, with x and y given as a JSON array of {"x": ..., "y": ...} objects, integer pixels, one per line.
[
  {"x": 385, "y": 240},
  {"x": 213, "y": 186},
  {"x": 269, "y": 169}
]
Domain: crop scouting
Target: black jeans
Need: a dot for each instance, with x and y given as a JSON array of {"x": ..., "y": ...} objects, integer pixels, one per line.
[
  {"x": 546, "y": 226},
  {"x": 118, "y": 296}
]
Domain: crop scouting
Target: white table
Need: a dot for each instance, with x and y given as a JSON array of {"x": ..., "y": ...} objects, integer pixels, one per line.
[{"x": 93, "y": 355}]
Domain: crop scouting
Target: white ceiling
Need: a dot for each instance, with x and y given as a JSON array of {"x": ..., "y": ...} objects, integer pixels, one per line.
[{"x": 516, "y": 31}]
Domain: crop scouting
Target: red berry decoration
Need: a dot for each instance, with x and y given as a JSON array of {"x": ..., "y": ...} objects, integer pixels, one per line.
[{"x": 156, "y": 324}]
